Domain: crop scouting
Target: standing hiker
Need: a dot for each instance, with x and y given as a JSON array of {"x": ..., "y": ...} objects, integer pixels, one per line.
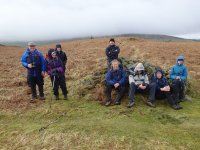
[
  {"x": 139, "y": 82},
  {"x": 178, "y": 75},
  {"x": 115, "y": 79},
  {"x": 34, "y": 61},
  {"x": 62, "y": 55},
  {"x": 112, "y": 52},
  {"x": 164, "y": 90},
  {"x": 55, "y": 70}
]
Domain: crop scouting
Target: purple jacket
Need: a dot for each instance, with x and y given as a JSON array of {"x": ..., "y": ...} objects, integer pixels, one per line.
[{"x": 54, "y": 66}]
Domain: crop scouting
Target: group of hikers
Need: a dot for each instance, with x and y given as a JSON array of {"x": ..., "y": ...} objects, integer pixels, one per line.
[
  {"x": 117, "y": 78},
  {"x": 54, "y": 65},
  {"x": 157, "y": 86}
]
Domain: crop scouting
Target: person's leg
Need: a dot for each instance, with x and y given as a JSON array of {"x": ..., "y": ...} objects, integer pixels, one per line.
[
  {"x": 40, "y": 83},
  {"x": 108, "y": 94},
  {"x": 152, "y": 91},
  {"x": 174, "y": 92},
  {"x": 182, "y": 90},
  {"x": 63, "y": 87},
  {"x": 132, "y": 90},
  {"x": 32, "y": 82},
  {"x": 120, "y": 94},
  {"x": 55, "y": 85}
]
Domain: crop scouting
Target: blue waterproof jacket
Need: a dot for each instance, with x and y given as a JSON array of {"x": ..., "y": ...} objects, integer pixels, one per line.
[
  {"x": 35, "y": 58},
  {"x": 179, "y": 70},
  {"x": 116, "y": 76}
]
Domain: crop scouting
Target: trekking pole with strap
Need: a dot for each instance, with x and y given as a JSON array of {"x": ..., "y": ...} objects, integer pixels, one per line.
[{"x": 52, "y": 92}]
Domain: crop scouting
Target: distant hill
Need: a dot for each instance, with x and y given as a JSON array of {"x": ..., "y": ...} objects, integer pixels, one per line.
[
  {"x": 2, "y": 45},
  {"x": 165, "y": 38}
]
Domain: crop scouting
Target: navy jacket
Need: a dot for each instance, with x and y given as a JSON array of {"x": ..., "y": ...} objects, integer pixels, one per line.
[
  {"x": 33, "y": 58},
  {"x": 118, "y": 76},
  {"x": 160, "y": 83}
]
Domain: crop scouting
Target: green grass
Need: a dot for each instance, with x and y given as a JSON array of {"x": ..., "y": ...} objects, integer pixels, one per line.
[{"x": 79, "y": 124}]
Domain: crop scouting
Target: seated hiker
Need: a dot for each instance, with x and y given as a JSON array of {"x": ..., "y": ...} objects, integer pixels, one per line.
[
  {"x": 115, "y": 79},
  {"x": 34, "y": 61},
  {"x": 163, "y": 89},
  {"x": 61, "y": 54},
  {"x": 112, "y": 52},
  {"x": 55, "y": 70},
  {"x": 178, "y": 75},
  {"x": 139, "y": 82}
]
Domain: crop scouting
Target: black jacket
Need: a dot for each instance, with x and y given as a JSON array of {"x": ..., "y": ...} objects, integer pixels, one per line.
[
  {"x": 62, "y": 56},
  {"x": 112, "y": 52}
]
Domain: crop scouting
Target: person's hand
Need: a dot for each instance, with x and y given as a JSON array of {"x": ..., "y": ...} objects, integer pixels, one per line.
[
  {"x": 30, "y": 65},
  {"x": 178, "y": 78},
  {"x": 166, "y": 88},
  {"x": 43, "y": 73},
  {"x": 116, "y": 85},
  {"x": 142, "y": 87}
]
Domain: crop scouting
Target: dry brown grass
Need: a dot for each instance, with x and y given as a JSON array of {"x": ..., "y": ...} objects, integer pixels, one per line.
[{"x": 86, "y": 56}]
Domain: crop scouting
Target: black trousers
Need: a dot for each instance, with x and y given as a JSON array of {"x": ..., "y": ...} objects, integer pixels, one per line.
[
  {"x": 109, "y": 89},
  {"x": 59, "y": 81},
  {"x": 151, "y": 89},
  {"x": 180, "y": 89},
  {"x": 166, "y": 94},
  {"x": 39, "y": 81}
]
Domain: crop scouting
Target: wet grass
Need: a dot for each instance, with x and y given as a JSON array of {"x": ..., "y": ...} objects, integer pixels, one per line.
[{"x": 79, "y": 124}]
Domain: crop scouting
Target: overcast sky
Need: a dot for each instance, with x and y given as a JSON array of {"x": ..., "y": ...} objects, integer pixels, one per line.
[{"x": 54, "y": 19}]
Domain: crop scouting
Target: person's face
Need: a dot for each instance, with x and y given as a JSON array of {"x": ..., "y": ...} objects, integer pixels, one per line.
[
  {"x": 180, "y": 62},
  {"x": 32, "y": 48},
  {"x": 112, "y": 43},
  {"x": 53, "y": 54},
  {"x": 58, "y": 49},
  {"x": 115, "y": 66},
  {"x": 158, "y": 75}
]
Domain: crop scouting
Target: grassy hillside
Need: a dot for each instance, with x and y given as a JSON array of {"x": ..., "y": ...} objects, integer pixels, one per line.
[{"x": 82, "y": 122}]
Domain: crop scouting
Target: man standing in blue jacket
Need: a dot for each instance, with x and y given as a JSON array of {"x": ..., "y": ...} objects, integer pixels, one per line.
[
  {"x": 34, "y": 61},
  {"x": 115, "y": 79},
  {"x": 178, "y": 75}
]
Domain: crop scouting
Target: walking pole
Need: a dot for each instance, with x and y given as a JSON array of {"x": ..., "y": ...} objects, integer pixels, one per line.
[{"x": 52, "y": 92}]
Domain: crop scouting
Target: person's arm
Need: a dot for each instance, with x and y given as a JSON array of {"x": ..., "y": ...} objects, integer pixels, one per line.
[
  {"x": 123, "y": 79},
  {"x": 118, "y": 50},
  {"x": 109, "y": 78},
  {"x": 23, "y": 60},
  {"x": 146, "y": 80},
  {"x": 65, "y": 58},
  {"x": 172, "y": 74},
  {"x": 108, "y": 54},
  {"x": 131, "y": 79},
  {"x": 185, "y": 73}
]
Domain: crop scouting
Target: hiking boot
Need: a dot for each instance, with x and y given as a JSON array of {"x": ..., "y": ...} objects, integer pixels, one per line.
[
  {"x": 56, "y": 97},
  {"x": 65, "y": 97},
  {"x": 174, "y": 107},
  {"x": 32, "y": 100},
  {"x": 179, "y": 106},
  {"x": 108, "y": 103},
  {"x": 42, "y": 98},
  {"x": 117, "y": 103},
  {"x": 130, "y": 104},
  {"x": 150, "y": 104}
]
